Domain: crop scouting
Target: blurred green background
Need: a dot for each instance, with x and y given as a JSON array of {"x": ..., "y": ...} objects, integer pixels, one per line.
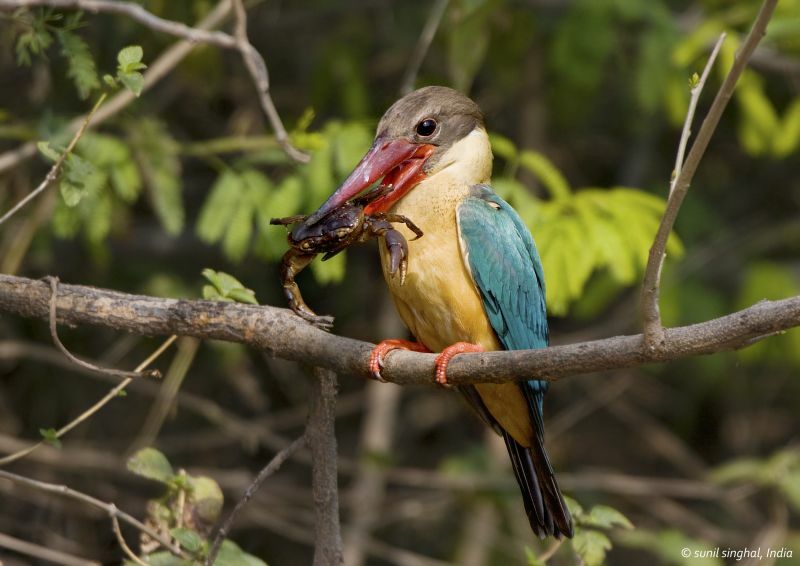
[{"x": 585, "y": 100}]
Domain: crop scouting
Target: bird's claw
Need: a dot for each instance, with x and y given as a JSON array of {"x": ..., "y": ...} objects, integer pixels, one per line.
[
  {"x": 443, "y": 359},
  {"x": 380, "y": 351}
]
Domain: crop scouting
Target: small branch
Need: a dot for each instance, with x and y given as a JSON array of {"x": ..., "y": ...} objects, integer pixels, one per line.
[
  {"x": 253, "y": 61},
  {"x": 42, "y": 553},
  {"x": 654, "y": 334},
  {"x": 423, "y": 44},
  {"x": 55, "y": 170},
  {"x": 258, "y": 72},
  {"x": 152, "y": 373},
  {"x": 321, "y": 436},
  {"x": 281, "y": 333},
  {"x": 551, "y": 550},
  {"x": 94, "y": 408},
  {"x": 696, "y": 90},
  {"x": 109, "y": 508},
  {"x": 132, "y": 11},
  {"x": 272, "y": 467},
  {"x": 157, "y": 71},
  {"x": 121, "y": 540}
]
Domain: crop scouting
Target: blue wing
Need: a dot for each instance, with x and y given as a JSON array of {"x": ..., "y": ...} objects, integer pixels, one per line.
[{"x": 507, "y": 270}]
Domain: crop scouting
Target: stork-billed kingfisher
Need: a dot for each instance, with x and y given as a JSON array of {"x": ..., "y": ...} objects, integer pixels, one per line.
[{"x": 474, "y": 280}]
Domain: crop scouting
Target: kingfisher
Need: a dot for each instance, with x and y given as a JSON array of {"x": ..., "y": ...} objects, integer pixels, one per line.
[{"x": 474, "y": 281}]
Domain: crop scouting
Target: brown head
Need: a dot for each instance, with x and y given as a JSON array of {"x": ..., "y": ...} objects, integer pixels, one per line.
[{"x": 413, "y": 135}]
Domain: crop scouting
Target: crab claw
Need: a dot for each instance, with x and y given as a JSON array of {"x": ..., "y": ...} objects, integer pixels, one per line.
[{"x": 398, "y": 254}]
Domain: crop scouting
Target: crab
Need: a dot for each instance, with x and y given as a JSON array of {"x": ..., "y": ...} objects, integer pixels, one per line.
[{"x": 337, "y": 230}]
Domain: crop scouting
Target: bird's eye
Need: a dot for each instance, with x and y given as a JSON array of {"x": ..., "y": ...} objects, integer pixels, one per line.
[{"x": 426, "y": 127}]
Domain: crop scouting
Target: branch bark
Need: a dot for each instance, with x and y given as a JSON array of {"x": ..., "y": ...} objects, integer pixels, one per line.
[
  {"x": 321, "y": 435},
  {"x": 282, "y": 334},
  {"x": 655, "y": 335}
]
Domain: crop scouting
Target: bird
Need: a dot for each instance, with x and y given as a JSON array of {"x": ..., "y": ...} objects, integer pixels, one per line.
[{"x": 474, "y": 281}]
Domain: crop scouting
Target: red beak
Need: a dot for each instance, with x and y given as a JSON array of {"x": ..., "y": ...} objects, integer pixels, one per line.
[{"x": 398, "y": 161}]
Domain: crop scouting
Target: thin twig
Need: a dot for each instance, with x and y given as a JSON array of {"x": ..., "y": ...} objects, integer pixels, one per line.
[
  {"x": 321, "y": 435},
  {"x": 254, "y": 62},
  {"x": 167, "y": 61},
  {"x": 134, "y": 12},
  {"x": 151, "y": 373},
  {"x": 272, "y": 467},
  {"x": 42, "y": 553},
  {"x": 55, "y": 170},
  {"x": 548, "y": 554},
  {"x": 654, "y": 334},
  {"x": 93, "y": 409},
  {"x": 695, "y": 92},
  {"x": 110, "y": 509},
  {"x": 121, "y": 540},
  {"x": 423, "y": 44},
  {"x": 258, "y": 72}
]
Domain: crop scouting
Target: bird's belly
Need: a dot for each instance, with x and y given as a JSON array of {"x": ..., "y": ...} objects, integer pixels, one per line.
[
  {"x": 438, "y": 301},
  {"x": 440, "y": 304}
]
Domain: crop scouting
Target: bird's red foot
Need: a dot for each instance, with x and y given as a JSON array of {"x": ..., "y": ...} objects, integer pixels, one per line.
[
  {"x": 379, "y": 353},
  {"x": 447, "y": 354}
]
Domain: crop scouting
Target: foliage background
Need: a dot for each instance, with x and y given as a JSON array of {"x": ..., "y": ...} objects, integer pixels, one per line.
[{"x": 585, "y": 99}]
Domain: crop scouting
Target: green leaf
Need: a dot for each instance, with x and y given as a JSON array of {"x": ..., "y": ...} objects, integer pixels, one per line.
[
  {"x": 503, "y": 147},
  {"x": 207, "y": 497},
  {"x": 284, "y": 200},
  {"x": 226, "y": 287},
  {"x": 591, "y": 546},
  {"x": 157, "y": 154},
  {"x": 164, "y": 558},
  {"x": 45, "y": 149},
  {"x": 231, "y": 555},
  {"x": 219, "y": 207},
  {"x": 188, "y": 539},
  {"x": 71, "y": 193},
  {"x": 745, "y": 469},
  {"x": 129, "y": 57},
  {"x": 114, "y": 157},
  {"x": 80, "y": 64},
  {"x": 606, "y": 517},
  {"x": 239, "y": 231},
  {"x": 50, "y": 436},
  {"x": 243, "y": 296},
  {"x": 152, "y": 464},
  {"x": 134, "y": 82},
  {"x": 35, "y": 41},
  {"x": 547, "y": 173},
  {"x": 210, "y": 293}
]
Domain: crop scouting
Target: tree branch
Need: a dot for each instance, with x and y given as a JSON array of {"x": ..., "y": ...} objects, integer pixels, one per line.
[
  {"x": 272, "y": 467},
  {"x": 55, "y": 170},
  {"x": 157, "y": 71},
  {"x": 110, "y": 509},
  {"x": 321, "y": 437},
  {"x": 258, "y": 72},
  {"x": 282, "y": 334},
  {"x": 655, "y": 335},
  {"x": 132, "y": 11}
]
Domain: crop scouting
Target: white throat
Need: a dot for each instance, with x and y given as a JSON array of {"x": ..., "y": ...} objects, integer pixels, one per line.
[{"x": 468, "y": 161}]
